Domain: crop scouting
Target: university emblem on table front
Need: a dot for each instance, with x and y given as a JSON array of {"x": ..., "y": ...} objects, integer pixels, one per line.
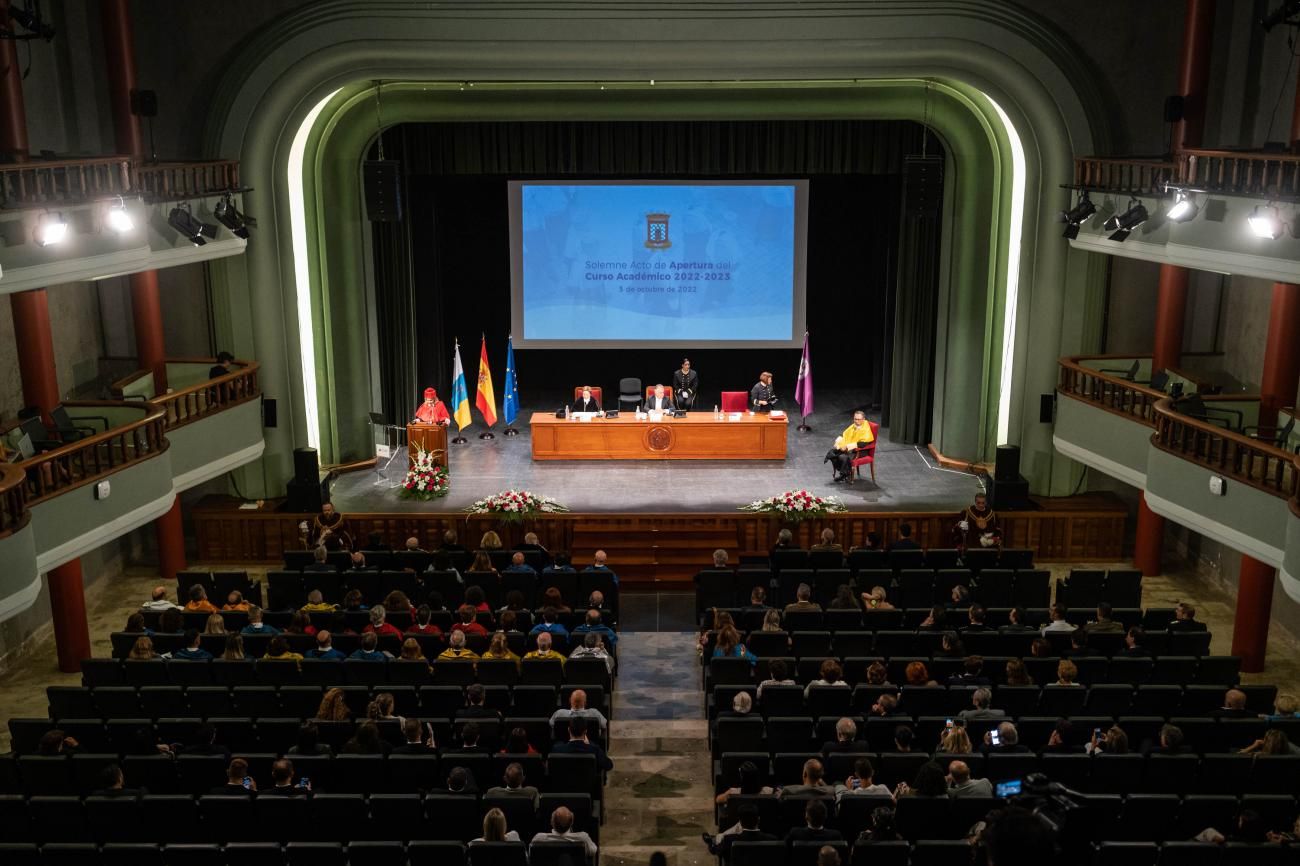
[{"x": 656, "y": 231}]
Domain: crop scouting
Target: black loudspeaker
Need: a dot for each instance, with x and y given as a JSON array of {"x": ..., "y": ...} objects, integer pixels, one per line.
[
  {"x": 269, "y": 416},
  {"x": 1007, "y": 465},
  {"x": 305, "y": 496},
  {"x": 1174, "y": 107},
  {"x": 306, "y": 466},
  {"x": 1012, "y": 493},
  {"x": 383, "y": 183},
  {"x": 922, "y": 185},
  {"x": 144, "y": 103},
  {"x": 1046, "y": 408}
]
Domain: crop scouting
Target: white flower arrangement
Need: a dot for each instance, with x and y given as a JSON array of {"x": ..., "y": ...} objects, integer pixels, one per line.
[
  {"x": 515, "y": 505},
  {"x": 796, "y": 505},
  {"x": 425, "y": 479}
]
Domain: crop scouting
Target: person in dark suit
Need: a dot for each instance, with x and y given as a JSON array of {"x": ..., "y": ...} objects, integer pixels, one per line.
[
  {"x": 475, "y": 708},
  {"x": 115, "y": 784},
  {"x": 449, "y": 544},
  {"x": 905, "y": 540},
  {"x": 586, "y": 402},
  {"x": 846, "y": 739},
  {"x": 659, "y": 401},
  {"x": 225, "y": 361},
  {"x": 686, "y": 385},
  {"x": 578, "y": 744},
  {"x": 747, "y": 831},
  {"x": 415, "y": 743},
  {"x": 762, "y": 397},
  {"x": 283, "y": 783},
  {"x": 1185, "y": 619},
  {"x": 1234, "y": 706},
  {"x": 235, "y": 785},
  {"x": 815, "y": 816}
]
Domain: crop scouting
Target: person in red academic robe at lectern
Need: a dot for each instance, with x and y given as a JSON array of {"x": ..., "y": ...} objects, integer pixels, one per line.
[{"x": 432, "y": 411}]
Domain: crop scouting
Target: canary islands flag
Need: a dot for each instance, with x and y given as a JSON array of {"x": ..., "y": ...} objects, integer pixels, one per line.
[
  {"x": 510, "y": 403},
  {"x": 486, "y": 401},
  {"x": 459, "y": 393}
]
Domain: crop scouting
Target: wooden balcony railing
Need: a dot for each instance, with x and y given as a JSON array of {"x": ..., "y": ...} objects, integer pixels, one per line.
[
  {"x": 1250, "y": 461},
  {"x": 1234, "y": 173},
  {"x": 1109, "y": 391},
  {"x": 13, "y": 500},
  {"x": 188, "y": 405},
  {"x": 95, "y": 457},
  {"x": 1123, "y": 175},
  {"x": 50, "y": 183},
  {"x": 163, "y": 181}
]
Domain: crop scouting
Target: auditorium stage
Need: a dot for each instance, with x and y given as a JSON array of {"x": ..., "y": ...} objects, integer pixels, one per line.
[{"x": 907, "y": 477}]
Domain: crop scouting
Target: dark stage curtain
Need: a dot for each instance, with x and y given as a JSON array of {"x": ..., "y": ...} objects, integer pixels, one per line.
[
  {"x": 398, "y": 317},
  {"x": 910, "y": 398}
]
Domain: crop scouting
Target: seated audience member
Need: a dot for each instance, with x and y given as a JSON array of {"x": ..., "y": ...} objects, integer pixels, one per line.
[
  {"x": 449, "y": 543},
  {"x": 1185, "y": 619},
  {"x": 238, "y": 781},
  {"x": 135, "y": 623},
  {"x": 235, "y": 601},
  {"x": 955, "y": 741},
  {"x": 191, "y": 651},
  {"x": 918, "y": 674},
  {"x": 544, "y": 652},
  {"x": 903, "y": 738},
  {"x": 1061, "y": 740},
  {"x": 159, "y": 601},
  {"x": 513, "y": 785},
  {"x": 475, "y": 706},
  {"x": 255, "y": 624},
  {"x": 960, "y": 783},
  {"x": 469, "y": 741},
  {"x": 930, "y": 781},
  {"x": 550, "y": 624},
  {"x": 1134, "y": 640},
  {"x": 1041, "y": 648},
  {"x": 334, "y": 706},
  {"x": 745, "y": 830},
  {"x": 475, "y": 598},
  {"x": 204, "y": 743},
  {"x": 113, "y": 784},
  {"x": 827, "y": 541},
  {"x": 234, "y": 648},
  {"x": 772, "y": 621},
  {"x": 880, "y": 828},
  {"x": 142, "y": 650},
  {"x": 320, "y": 557},
  {"x": 1067, "y": 672},
  {"x": 494, "y": 827},
  {"x": 198, "y": 602},
  {"x": 456, "y": 650},
  {"x": 976, "y": 615},
  {"x": 354, "y": 601},
  {"x": 830, "y": 674},
  {"x": 803, "y": 599},
  {"x": 499, "y": 647},
  {"x": 877, "y": 675},
  {"x": 1285, "y": 706},
  {"x": 592, "y": 625},
  {"x": 1113, "y": 742},
  {"x": 904, "y": 540},
  {"x": 1170, "y": 741},
  {"x": 533, "y": 543},
  {"x": 751, "y": 783},
  {"x": 758, "y": 600},
  {"x": 308, "y": 742},
  {"x": 959, "y": 598},
  {"x": 876, "y": 599},
  {"x": 785, "y": 541},
  {"x": 593, "y": 647},
  {"x": 277, "y": 649},
  {"x": 553, "y": 598},
  {"x": 517, "y": 743},
  {"x": 518, "y": 565},
  {"x": 1274, "y": 742},
  {"x": 1249, "y": 829},
  {"x": 214, "y": 624},
  {"x": 369, "y": 650},
  {"x": 381, "y": 709},
  {"x": 1078, "y": 645},
  {"x": 1008, "y": 741},
  {"x": 579, "y": 744},
  {"x": 886, "y": 705},
  {"x": 950, "y": 646},
  {"x": 721, "y": 560},
  {"x": 1234, "y": 706},
  {"x": 467, "y": 621},
  {"x": 380, "y": 625},
  {"x": 316, "y": 603},
  {"x": 301, "y": 624},
  {"x": 846, "y": 738},
  {"x": 814, "y": 829},
  {"x": 562, "y": 831},
  {"x": 972, "y": 673},
  {"x": 937, "y": 620},
  {"x": 482, "y": 564},
  {"x": 728, "y": 645},
  {"x": 282, "y": 784},
  {"x": 56, "y": 742},
  {"x": 366, "y": 741},
  {"x": 812, "y": 784},
  {"x": 358, "y": 562},
  {"x": 1058, "y": 622},
  {"x": 741, "y": 704},
  {"x": 1104, "y": 624},
  {"x": 777, "y": 675},
  {"x": 600, "y": 563},
  {"x": 862, "y": 782},
  {"x": 980, "y": 701},
  {"x": 1016, "y": 623},
  {"x": 844, "y": 599},
  {"x": 413, "y": 545},
  {"x": 1017, "y": 674},
  {"x": 562, "y": 562},
  {"x": 324, "y": 647},
  {"x": 417, "y": 739},
  {"x": 422, "y": 622}
]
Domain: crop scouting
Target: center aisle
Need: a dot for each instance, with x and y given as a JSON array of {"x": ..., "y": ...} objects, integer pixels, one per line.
[{"x": 659, "y": 797}]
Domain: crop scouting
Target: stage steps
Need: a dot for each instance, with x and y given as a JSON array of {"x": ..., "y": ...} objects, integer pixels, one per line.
[{"x": 644, "y": 556}]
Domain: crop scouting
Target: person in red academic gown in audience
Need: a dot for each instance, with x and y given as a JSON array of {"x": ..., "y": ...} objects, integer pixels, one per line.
[{"x": 432, "y": 410}]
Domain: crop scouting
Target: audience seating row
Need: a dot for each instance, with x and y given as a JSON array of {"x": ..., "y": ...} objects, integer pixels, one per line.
[
  {"x": 1157, "y": 619},
  {"x": 957, "y": 852},
  {"x": 936, "y": 557},
  {"x": 322, "y": 817},
  {"x": 343, "y": 621},
  {"x": 414, "y": 560}
]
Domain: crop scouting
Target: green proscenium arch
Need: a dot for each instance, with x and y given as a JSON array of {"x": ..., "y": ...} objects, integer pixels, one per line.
[{"x": 840, "y": 61}]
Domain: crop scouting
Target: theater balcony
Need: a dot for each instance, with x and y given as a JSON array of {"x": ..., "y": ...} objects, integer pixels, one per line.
[
  {"x": 1224, "y": 189},
  {"x": 19, "y": 579},
  {"x": 1205, "y": 463},
  {"x": 114, "y": 212}
]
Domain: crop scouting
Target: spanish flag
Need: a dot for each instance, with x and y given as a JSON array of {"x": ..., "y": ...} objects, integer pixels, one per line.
[
  {"x": 459, "y": 393},
  {"x": 486, "y": 401}
]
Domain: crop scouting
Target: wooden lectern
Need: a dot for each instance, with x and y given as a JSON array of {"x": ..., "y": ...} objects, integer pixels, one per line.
[{"x": 427, "y": 437}]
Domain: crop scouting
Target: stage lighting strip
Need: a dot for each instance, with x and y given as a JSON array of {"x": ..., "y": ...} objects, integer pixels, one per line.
[{"x": 1016, "y": 231}]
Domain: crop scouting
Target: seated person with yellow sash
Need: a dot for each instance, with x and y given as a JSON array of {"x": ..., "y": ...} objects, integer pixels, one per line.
[{"x": 841, "y": 454}]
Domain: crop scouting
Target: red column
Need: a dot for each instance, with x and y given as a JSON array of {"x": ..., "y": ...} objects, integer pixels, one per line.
[
  {"x": 1171, "y": 312},
  {"x": 171, "y": 543},
  {"x": 146, "y": 314},
  {"x": 13, "y": 110},
  {"x": 1254, "y": 606},
  {"x": 1277, "y": 384},
  {"x": 1150, "y": 540},
  {"x": 68, "y": 610}
]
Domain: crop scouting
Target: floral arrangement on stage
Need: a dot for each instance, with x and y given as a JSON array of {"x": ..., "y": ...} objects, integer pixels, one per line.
[
  {"x": 796, "y": 505},
  {"x": 425, "y": 479},
  {"x": 516, "y": 505}
]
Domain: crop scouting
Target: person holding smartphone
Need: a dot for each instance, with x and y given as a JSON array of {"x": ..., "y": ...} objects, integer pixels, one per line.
[
  {"x": 238, "y": 782},
  {"x": 1004, "y": 739},
  {"x": 283, "y": 784},
  {"x": 861, "y": 783}
]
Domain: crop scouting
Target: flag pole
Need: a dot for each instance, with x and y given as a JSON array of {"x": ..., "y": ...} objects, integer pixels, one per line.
[
  {"x": 802, "y": 386},
  {"x": 456, "y": 367},
  {"x": 512, "y": 387},
  {"x": 486, "y": 434}
]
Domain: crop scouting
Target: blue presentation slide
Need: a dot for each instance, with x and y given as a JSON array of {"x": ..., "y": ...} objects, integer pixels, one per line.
[{"x": 688, "y": 262}]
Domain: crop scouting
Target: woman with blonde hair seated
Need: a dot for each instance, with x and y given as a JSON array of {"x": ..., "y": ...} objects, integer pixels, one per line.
[
  {"x": 412, "y": 652},
  {"x": 499, "y": 649},
  {"x": 234, "y": 650},
  {"x": 214, "y": 624},
  {"x": 494, "y": 828},
  {"x": 142, "y": 650},
  {"x": 1066, "y": 674},
  {"x": 876, "y": 599},
  {"x": 772, "y": 621},
  {"x": 490, "y": 541},
  {"x": 955, "y": 741}
]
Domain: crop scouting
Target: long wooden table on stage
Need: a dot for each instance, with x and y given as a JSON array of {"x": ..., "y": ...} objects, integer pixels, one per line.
[{"x": 698, "y": 436}]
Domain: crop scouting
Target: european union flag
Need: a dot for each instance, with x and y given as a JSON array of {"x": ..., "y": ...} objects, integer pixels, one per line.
[{"x": 510, "y": 403}]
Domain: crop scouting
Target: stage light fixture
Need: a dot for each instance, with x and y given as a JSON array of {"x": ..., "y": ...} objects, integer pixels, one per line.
[
  {"x": 53, "y": 229},
  {"x": 1265, "y": 223},
  {"x": 1183, "y": 209},
  {"x": 230, "y": 217},
  {"x": 118, "y": 219},
  {"x": 1078, "y": 215},
  {"x": 191, "y": 228},
  {"x": 1123, "y": 224}
]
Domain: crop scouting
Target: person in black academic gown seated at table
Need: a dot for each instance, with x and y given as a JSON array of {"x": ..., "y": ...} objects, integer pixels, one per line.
[
  {"x": 686, "y": 385},
  {"x": 225, "y": 362},
  {"x": 587, "y": 402},
  {"x": 762, "y": 397},
  {"x": 659, "y": 401}
]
